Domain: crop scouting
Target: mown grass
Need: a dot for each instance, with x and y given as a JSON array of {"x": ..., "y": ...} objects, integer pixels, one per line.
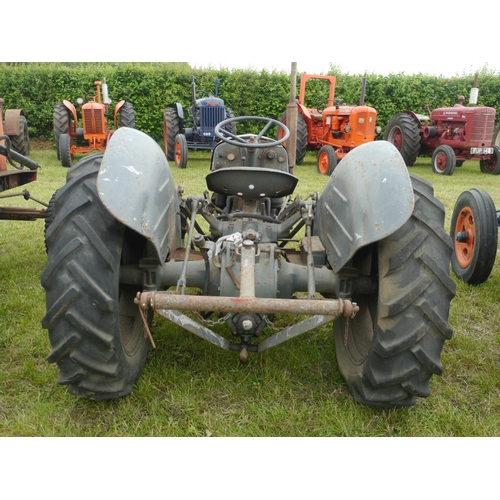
[{"x": 191, "y": 388}]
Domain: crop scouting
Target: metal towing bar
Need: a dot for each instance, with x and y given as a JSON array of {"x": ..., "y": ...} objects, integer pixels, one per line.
[{"x": 168, "y": 305}]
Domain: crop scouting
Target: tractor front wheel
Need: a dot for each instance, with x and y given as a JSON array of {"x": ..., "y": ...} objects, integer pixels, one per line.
[
  {"x": 65, "y": 143},
  {"x": 404, "y": 132},
  {"x": 491, "y": 166},
  {"x": 181, "y": 151},
  {"x": 389, "y": 351},
  {"x": 474, "y": 231},
  {"x": 326, "y": 160},
  {"x": 444, "y": 160},
  {"x": 96, "y": 332}
]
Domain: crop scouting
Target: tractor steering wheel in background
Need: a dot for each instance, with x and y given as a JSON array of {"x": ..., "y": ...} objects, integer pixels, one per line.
[{"x": 251, "y": 140}]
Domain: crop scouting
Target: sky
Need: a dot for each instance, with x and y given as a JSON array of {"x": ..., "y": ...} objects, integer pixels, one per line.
[{"x": 379, "y": 37}]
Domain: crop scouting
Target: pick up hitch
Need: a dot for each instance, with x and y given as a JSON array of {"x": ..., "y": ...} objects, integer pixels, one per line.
[
  {"x": 169, "y": 305},
  {"x": 320, "y": 312}
]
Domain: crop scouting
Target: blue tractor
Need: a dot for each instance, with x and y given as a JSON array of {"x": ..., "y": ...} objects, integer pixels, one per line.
[{"x": 196, "y": 131}]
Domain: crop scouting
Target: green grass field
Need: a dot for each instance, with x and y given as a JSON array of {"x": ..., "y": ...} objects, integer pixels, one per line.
[{"x": 191, "y": 388}]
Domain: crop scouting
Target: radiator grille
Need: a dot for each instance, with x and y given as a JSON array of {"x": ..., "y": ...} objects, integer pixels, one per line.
[
  {"x": 93, "y": 120},
  {"x": 210, "y": 117},
  {"x": 482, "y": 127}
]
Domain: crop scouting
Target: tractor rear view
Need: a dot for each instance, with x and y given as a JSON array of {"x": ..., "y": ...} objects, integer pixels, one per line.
[
  {"x": 92, "y": 131},
  {"x": 451, "y": 134},
  {"x": 196, "y": 131},
  {"x": 14, "y": 144},
  {"x": 332, "y": 128}
]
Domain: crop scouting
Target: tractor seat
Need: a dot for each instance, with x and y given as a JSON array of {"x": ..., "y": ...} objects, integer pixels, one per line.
[{"x": 251, "y": 183}]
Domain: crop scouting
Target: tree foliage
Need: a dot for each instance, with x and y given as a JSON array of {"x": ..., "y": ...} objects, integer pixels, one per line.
[{"x": 150, "y": 87}]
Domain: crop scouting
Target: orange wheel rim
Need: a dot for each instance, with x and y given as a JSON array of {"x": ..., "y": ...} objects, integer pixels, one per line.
[
  {"x": 464, "y": 250},
  {"x": 323, "y": 163}
]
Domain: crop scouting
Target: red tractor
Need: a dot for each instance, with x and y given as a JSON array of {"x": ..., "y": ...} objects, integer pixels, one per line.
[
  {"x": 94, "y": 132},
  {"x": 451, "y": 134},
  {"x": 14, "y": 144},
  {"x": 332, "y": 128}
]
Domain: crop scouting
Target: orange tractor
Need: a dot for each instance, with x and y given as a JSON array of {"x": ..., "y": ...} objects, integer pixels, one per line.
[
  {"x": 332, "y": 128},
  {"x": 94, "y": 132}
]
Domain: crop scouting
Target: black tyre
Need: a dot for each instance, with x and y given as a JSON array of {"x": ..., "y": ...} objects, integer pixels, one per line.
[
  {"x": 474, "y": 231},
  {"x": 127, "y": 115},
  {"x": 491, "y": 166},
  {"x": 50, "y": 215},
  {"x": 171, "y": 128},
  {"x": 301, "y": 148},
  {"x": 495, "y": 141},
  {"x": 95, "y": 331},
  {"x": 21, "y": 141},
  {"x": 404, "y": 132},
  {"x": 389, "y": 351},
  {"x": 62, "y": 123},
  {"x": 326, "y": 160},
  {"x": 231, "y": 127},
  {"x": 181, "y": 151},
  {"x": 444, "y": 160},
  {"x": 65, "y": 143}
]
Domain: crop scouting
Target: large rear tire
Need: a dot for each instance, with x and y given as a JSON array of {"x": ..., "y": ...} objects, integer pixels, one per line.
[
  {"x": 62, "y": 123},
  {"x": 231, "y": 127},
  {"x": 404, "y": 132},
  {"x": 301, "y": 149},
  {"x": 127, "y": 115},
  {"x": 171, "y": 127},
  {"x": 496, "y": 136},
  {"x": 474, "y": 231},
  {"x": 95, "y": 331},
  {"x": 21, "y": 141},
  {"x": 389, "y": 351}
]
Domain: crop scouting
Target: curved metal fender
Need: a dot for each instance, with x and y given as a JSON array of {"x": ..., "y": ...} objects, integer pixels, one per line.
[
  {"x": 367, "y": 198},
  {"x": 136, "y": 185}
]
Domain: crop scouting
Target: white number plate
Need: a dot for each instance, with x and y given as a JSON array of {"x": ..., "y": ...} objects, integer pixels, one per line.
[{"x": 481, "y": 151}]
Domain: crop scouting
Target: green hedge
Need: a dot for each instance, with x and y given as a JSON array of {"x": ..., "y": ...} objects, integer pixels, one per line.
[{"x": 150, "y": 87}]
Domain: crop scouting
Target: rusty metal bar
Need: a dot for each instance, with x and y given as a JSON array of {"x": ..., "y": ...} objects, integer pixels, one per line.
[
  {"x": 327, "y": 307},
  {"x": 19, "y": 213}
]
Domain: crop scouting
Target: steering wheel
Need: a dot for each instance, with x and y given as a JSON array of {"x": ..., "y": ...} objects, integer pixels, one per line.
[{"x": 259, "y": 140}]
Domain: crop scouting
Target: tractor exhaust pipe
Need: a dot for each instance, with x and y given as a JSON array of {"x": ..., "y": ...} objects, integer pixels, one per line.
[
  {"x": 474, "y": 92},
  {"x": 363, "y": 91},
  {"x": 193, "y": 93},
  {"x": 105, "y": 97}
]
